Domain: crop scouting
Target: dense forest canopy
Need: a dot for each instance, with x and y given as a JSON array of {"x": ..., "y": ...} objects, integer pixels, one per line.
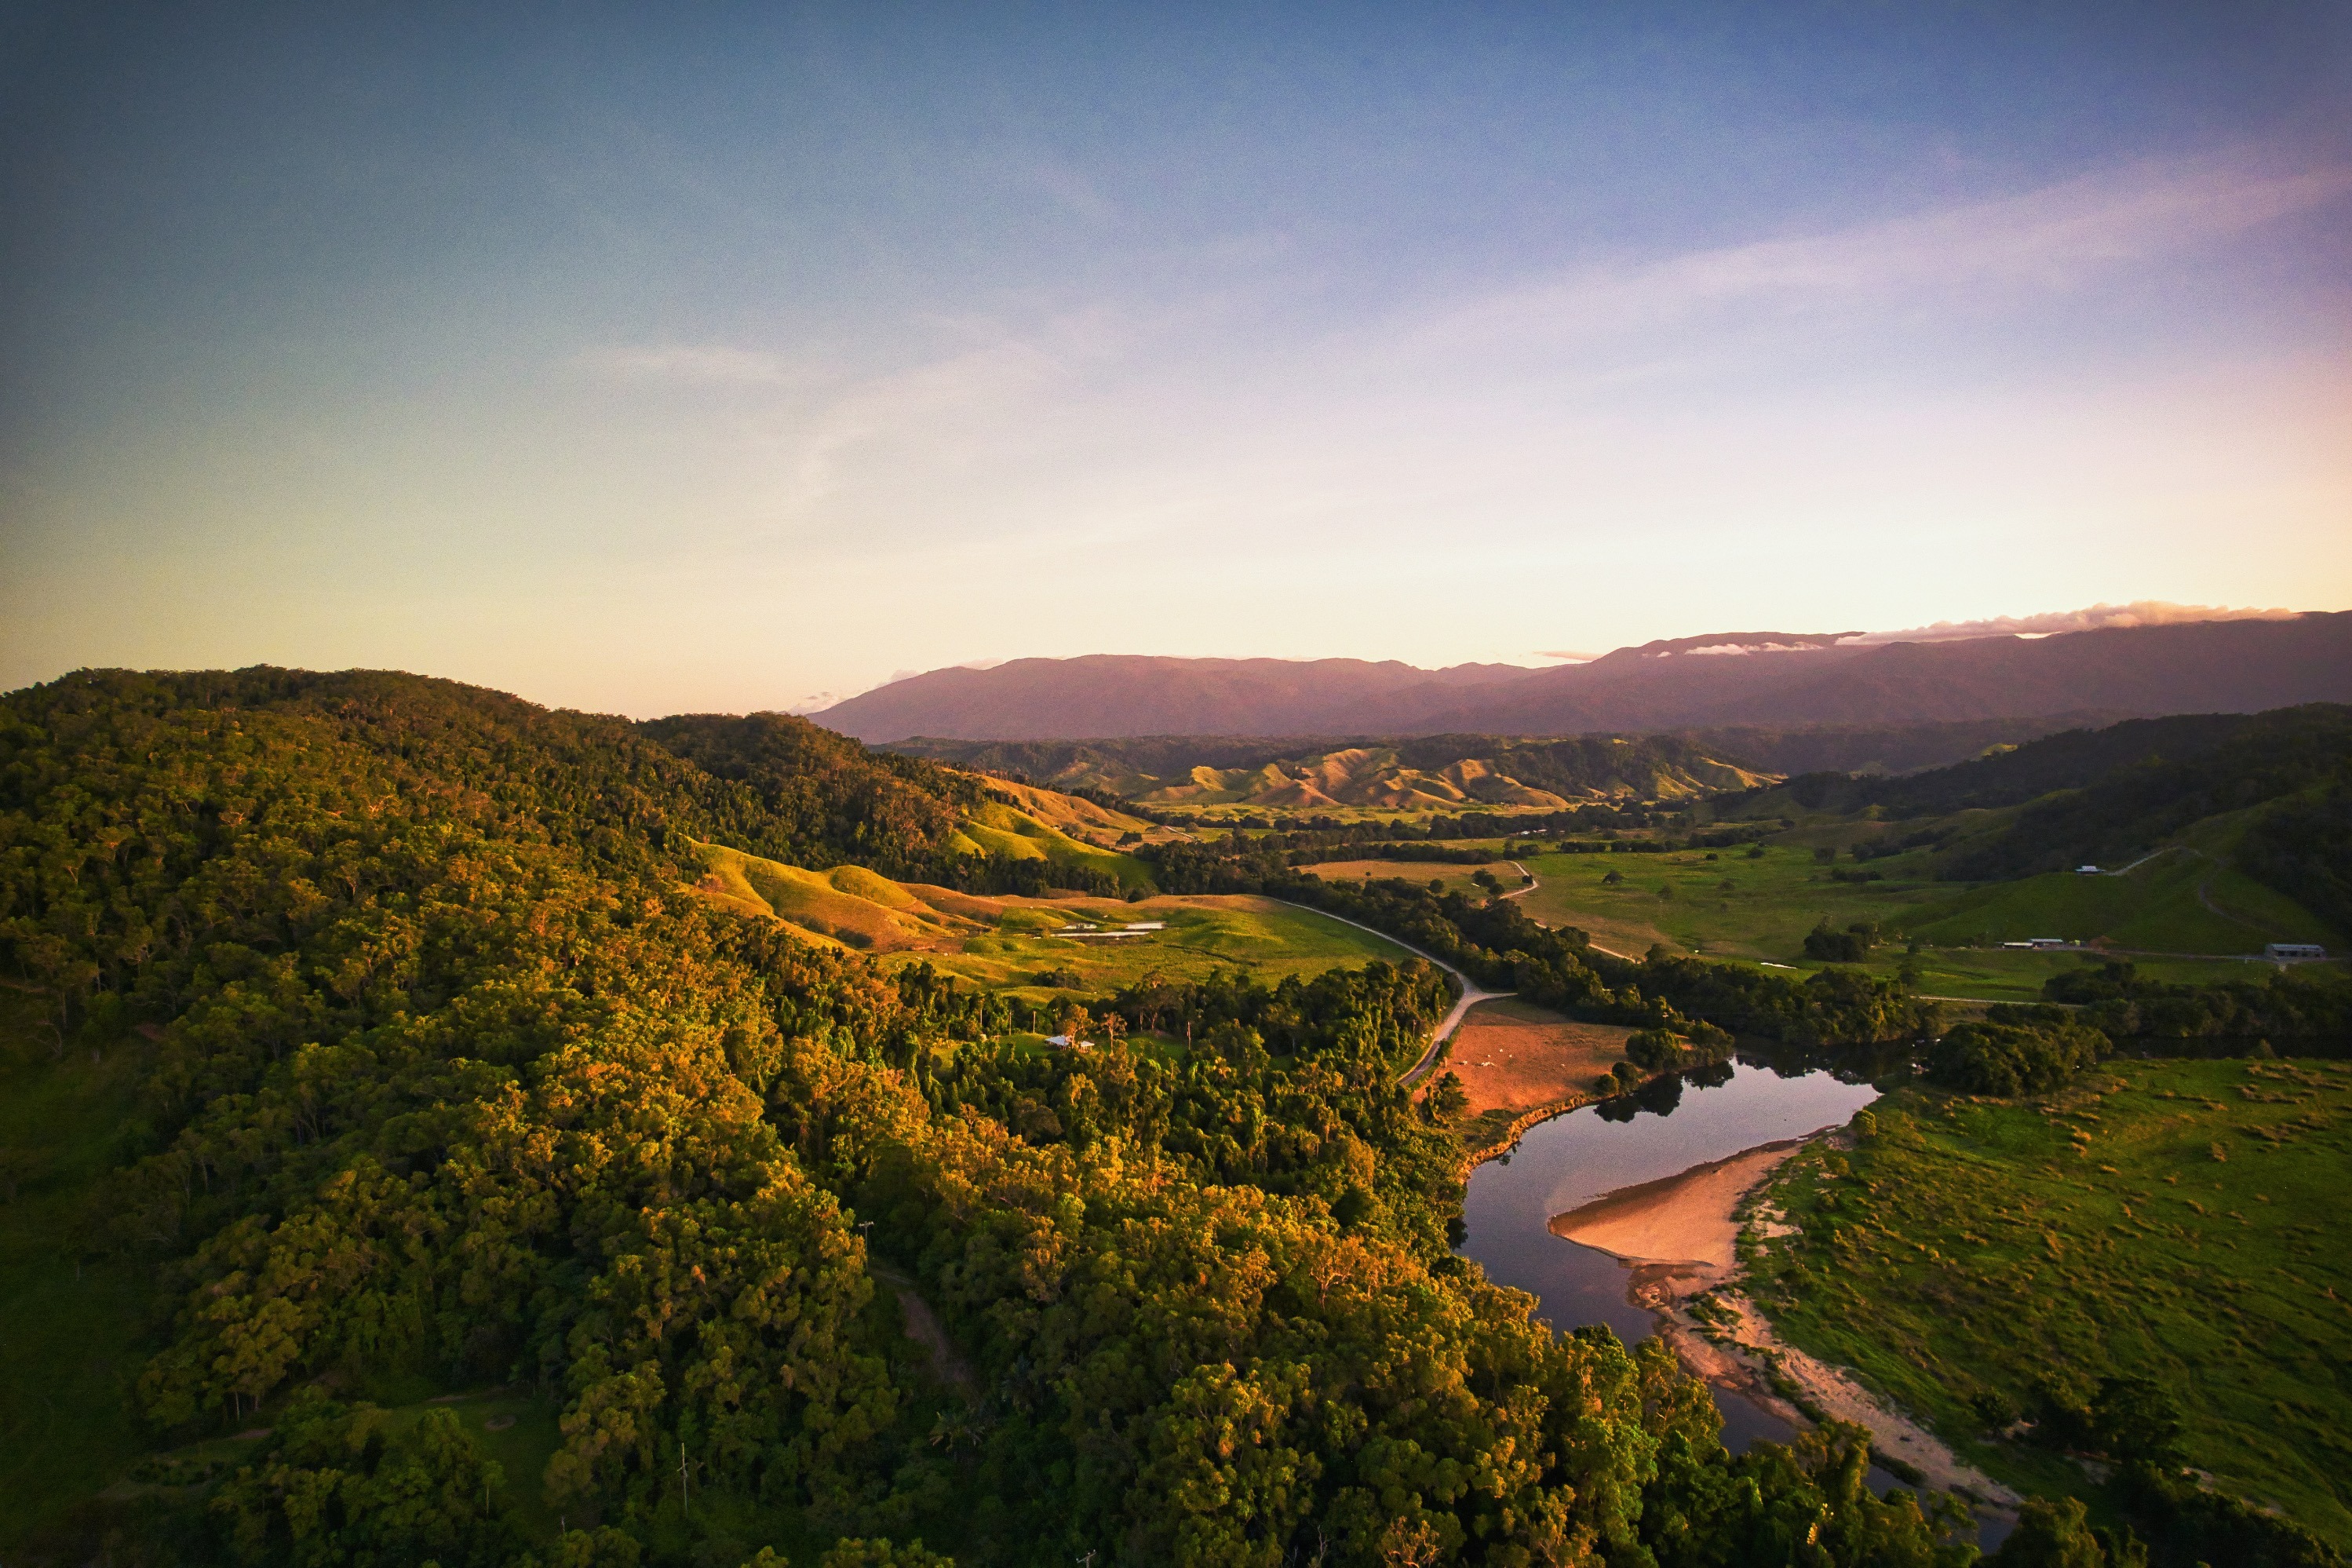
[{"x": 446, "y": 1080}]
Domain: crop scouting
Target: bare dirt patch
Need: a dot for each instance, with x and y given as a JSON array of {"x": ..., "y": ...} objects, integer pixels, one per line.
[{"x": 1512, "y": 1056}]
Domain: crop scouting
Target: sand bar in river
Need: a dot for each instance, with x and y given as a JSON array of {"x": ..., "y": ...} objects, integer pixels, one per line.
[{"x": 1686, "y": 1218}]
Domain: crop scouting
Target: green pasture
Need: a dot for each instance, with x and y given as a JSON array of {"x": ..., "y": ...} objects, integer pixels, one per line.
[
  {"x": 2180, "y": 902},
  {"x": 2180, "y": 1221},
  {"x": 1993, "y": 974},
  {"x": 1719, "y": 902},
  {"x": 1268, "y": 939},
  {"x": 1759, "y": 908},
  {"x": 1420, "y": 873}
]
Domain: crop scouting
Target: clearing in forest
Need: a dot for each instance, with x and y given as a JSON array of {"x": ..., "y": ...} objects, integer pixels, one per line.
[{"x": 1515, "y": 1058}]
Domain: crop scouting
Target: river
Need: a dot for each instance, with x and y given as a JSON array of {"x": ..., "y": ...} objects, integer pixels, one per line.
[{"x": 1664, "y": 1128}]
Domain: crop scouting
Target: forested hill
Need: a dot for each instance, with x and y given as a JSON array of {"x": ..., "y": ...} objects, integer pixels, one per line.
[
  {"x": 827, "y": 792},
  {"x": 2281, "y": 779},
  {"x": 2071, "y": 759},
  {"x": 402, "y": 1065},
  {"x": 777, "y": 785}
]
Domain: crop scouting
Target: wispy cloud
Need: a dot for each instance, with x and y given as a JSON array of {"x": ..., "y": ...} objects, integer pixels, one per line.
[
  {"x": 2143, "y": 613},
  {"x": 2056, "y": 236}
]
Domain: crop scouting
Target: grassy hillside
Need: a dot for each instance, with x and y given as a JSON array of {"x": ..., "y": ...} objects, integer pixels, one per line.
[
  {"x": 2183, "y": 901},
  {"x": 849, "y": 905},
  {"x": 1069, "y": 814},
  {"x": 998, "y": 831},
  {"x": 1005, "y": 943},
  {"x": 1368, "y": 777},
  {"x": 2178, "y": 1221},
  {"x": 1263, "y": 938}
]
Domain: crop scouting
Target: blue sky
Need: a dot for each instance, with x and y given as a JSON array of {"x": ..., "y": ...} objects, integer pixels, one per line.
[{"x": 645, "y": 361}]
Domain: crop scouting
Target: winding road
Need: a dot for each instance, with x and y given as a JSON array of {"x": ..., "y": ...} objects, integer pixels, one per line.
[{"x": 1471, "y": 993}]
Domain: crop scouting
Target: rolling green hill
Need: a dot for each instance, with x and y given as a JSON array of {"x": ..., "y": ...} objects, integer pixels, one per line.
[
  {"x": 2230, "y": 830},
  {"x": 2180, "y": 901},
  {"x": 1442, "y": 773}
]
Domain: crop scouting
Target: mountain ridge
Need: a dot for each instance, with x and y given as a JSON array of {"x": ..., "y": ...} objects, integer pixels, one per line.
[{"x": 1798, "y": 678}]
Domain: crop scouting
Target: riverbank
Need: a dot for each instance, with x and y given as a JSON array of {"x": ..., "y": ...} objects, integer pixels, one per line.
[
  {"x": 2174, "y": 1220},
  {"x": 1681, "y": 1234}
]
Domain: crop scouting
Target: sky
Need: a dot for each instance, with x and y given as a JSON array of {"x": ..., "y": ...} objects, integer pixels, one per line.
[{"x": 708, "y": 358}]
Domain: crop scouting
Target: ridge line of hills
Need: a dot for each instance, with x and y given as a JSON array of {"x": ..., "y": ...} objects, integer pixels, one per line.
[{"x": 1780, "y": 679}]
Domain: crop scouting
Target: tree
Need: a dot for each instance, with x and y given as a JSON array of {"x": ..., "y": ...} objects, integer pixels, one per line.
[
  {"x": 2132, "y": 1418},
  {"x": 1836, "y": 946},
  {"x": 1446, "y": 1098},
  {"x": 2053, "y": 1534},
  {"x": 2009, "y": 1059}
]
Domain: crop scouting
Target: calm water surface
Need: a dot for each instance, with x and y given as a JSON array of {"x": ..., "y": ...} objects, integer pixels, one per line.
[{"x": 1667, "y": 1126}]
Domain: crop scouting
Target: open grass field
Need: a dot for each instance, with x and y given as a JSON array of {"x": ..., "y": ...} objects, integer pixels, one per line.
[
  {"x": 1205, "y": 932},
  {"x": 2180, "y": 1221},
  {"x": 1223, "y": 815},
  {"x": 1004, "y": 943},
  {"x": 2179, "y": 902},
  {"x": 1420, "y": 873},
  {"x": 1993, "y": 974},
  {"x": 1761, "y": 908},
  {"x": 1721, "y": 903}
]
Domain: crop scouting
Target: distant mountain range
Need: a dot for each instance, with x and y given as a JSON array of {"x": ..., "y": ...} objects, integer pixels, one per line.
[{"x": 1771, "y": 679}]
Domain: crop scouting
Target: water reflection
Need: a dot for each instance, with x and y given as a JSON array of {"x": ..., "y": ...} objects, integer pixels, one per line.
[{"x": 1665, "y": 1127}]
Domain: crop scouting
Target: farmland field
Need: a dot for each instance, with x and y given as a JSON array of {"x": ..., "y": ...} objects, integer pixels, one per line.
[
  {"x": 1421, "y": 873},
  {"x": 1264, "y": 938},
  {"x": 1759, "y": 908}
]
